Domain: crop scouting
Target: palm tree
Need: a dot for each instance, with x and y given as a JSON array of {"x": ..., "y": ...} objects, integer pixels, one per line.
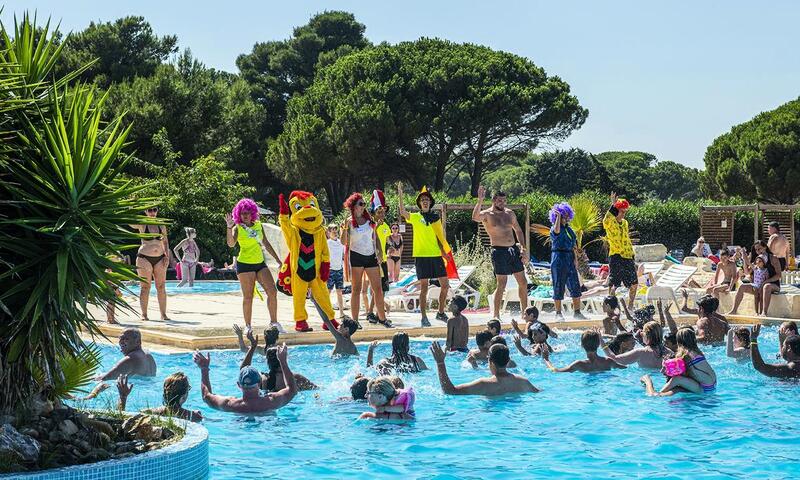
[
  {"x": 62, "y": 211},
  {"x": 587, "y": 221}
]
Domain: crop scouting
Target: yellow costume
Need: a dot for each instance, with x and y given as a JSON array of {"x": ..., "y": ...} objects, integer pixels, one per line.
[{"x": 307, "y": 266}]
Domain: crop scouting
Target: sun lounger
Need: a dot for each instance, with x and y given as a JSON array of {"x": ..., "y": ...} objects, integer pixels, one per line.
[
  {"x": 668, "y": 284},
  {"x": 459, "y": 286}
]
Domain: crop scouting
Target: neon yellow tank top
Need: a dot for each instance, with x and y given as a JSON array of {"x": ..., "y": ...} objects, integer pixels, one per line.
[
  {"x": 425, "y": 243},
  {"x": 249, "y": 239}
]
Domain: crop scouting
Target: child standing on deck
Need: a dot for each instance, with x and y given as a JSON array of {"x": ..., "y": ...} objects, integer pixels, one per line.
[
  {"x": 336, "y": 279},
  {"x": 457, "y": 326}
]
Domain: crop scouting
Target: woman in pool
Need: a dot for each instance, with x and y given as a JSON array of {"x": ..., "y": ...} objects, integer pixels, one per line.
[
  {"x": 389, "y": 402},
  {"x": 365, "y": 255},
  {"x": 191, "y": 255},
  {"x": 401, "y": 360},
  {"x": 772, "y": 284},
  {"x": 649, "y": 356},
  {"x": 176, "y": 391},
  {"x": 738, "y": 343},
  {"x": 152, "y": 261},
  {"x": 688, "y": 371},
  {"x": 394, "y": 250},
  {"x": 245, "y": 229}
]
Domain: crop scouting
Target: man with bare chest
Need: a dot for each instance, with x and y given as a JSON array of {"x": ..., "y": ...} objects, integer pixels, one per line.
[
  {"x": 778, "y": 244},
  {"x": 508, "y": 253}
]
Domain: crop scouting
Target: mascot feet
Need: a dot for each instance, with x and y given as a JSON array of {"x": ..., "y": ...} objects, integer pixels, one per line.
[
  {"x": 302, "y": 326},
  {"x": 333, "y": 321}
]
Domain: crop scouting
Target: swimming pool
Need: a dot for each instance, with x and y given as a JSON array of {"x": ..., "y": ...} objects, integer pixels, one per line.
[
  {"x": 205, "y": 286},
  {"x": 579, "y": 426}
]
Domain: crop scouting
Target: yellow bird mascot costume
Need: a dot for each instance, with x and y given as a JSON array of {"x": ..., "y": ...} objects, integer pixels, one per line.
[{"x": 307, "y": 266}]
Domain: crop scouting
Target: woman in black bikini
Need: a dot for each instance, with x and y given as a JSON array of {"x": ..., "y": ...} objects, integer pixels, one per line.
[
  {"x": 394, "y": 250},
  {"x": 152, "y": 260}
]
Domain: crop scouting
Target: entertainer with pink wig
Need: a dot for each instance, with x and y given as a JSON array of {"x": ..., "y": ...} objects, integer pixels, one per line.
[
  {"x": 245, "y": 229},
  {"x": 563, "y": 260},
  {"x": 622, "y": 268}
]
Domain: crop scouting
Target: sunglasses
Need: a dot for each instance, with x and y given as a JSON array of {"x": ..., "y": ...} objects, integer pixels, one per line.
[{"x": 154, "y": 209}]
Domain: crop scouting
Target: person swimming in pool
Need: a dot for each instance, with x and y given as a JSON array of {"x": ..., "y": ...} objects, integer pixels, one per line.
[
  {"x": 648, "y": 356},
  {"x": 272, "y": 381},
  {"x": 494, "y": 326},
  {"x": 457, "y": 326},
  {"x": 401, "y": 360},
  {"x": 786, "y": 330},
  {"x": 790, "y": 351},
  {"x": 249, "y": 381},
  {"x": 611, "y": 322},
  {"x": 622, "y": 343},
  {"x": 176, "y": 392},
  {"x": 483, "y": 340},
  {"x": 688, "y": 371},
  {"x": 538, "y": 333},
  {"x": 501, "y": 382},
  {"x": 590, "y": 341},
  {"x": 135, "y": 362},
  {"x": 342, "y": 335},
  {"x": 389, "y": 401},
  {"x": 271, "y": 335},
  {"x": 737, "y": 343}
]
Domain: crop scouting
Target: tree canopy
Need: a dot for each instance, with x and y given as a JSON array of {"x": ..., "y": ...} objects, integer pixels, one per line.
[{"x": 758, "y": 159}]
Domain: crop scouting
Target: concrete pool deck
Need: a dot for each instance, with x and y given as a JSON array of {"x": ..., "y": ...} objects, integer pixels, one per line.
[{"x": 204, "y": 321}]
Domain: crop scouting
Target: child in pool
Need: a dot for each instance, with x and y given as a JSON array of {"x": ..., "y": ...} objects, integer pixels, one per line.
[
  {"x": 389, "y": 402},
  {"x": 457, "y": 326},
  {"x": 590, "y": 341},
  {"x": 494, "y": 326},
  {"x": 611, "y": 322},
  {"x": 738, "y": 343},
  {"x": 622, "y": 343},
  {"x": 484, "y": 340},
  {"x": 538, "y": 333},
  {"x": 688, "y": 371},
  {"x": 531, "y": 316}
]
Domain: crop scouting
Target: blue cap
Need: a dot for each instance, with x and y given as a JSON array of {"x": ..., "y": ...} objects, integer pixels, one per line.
[{"x": 249, "y": 377}]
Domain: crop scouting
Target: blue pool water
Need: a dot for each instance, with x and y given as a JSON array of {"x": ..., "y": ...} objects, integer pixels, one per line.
[
  {"x": 579, "y": 426},
  {"x": 205, "y": 286}
]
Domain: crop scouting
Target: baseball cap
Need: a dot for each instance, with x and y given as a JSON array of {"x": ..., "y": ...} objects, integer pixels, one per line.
[{"x": 249, "y": 377}]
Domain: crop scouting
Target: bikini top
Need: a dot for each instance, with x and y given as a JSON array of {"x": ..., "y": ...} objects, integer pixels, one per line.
[
  {"x": 158, "y": 231},
  {"x": 391, "y": 243}
]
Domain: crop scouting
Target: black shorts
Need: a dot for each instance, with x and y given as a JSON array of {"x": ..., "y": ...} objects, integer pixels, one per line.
[
  {"x": 430, "y": 267},
  {"x": 363, "y": 261},
  {"x": 506, "y": 260},
  {"x": 621, "y": 271},
  {"x": 249, "y": 267},
  {"x": 385, "y": 277}
]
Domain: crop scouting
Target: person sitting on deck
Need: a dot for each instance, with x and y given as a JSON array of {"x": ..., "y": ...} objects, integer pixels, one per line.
[
  {"x": 249, "y": 381},
  {"x": 135, "y": 361},
  {"x": 501, "y": 382},
  {"x": 790, "y": 351},
  {"x": 590, "y": 341}
]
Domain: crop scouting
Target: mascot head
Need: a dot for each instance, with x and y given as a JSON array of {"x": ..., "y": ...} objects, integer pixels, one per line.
[{"x": 305, "y": 212}]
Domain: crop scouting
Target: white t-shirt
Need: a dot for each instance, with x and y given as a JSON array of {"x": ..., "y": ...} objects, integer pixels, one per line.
[
  {"x": 362, "y": 240},
  {"x": 337, "y": 254}
]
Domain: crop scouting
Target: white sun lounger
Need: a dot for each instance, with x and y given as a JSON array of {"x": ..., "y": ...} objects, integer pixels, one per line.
[
  {"x": 668, "y": 284},
  {"x": 457, "y": 286}
]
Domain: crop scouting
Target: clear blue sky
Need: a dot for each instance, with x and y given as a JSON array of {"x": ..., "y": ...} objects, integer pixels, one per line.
[{"x": 666, "y": 78}]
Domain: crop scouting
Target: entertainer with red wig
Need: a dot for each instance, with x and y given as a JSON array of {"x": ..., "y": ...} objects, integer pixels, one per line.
[
  {"x": 308, "y": 265},
  {"x": 622, "y": 269},
  {"x": 563, "y": 261}
]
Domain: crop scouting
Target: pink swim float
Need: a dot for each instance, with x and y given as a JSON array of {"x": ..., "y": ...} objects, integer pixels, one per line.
[{"x": 674, "y": 367}]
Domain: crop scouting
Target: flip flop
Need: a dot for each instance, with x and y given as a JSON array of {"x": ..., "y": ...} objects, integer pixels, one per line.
[{"x": 386, "y": 323}]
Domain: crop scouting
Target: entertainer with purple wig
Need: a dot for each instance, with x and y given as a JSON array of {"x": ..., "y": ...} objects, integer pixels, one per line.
[
  {"x": 563, "y": 261},
  {"x": 245, "y": 229}
]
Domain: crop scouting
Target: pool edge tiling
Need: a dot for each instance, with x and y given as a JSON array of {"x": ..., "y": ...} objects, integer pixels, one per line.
[{"x": 186, "y": 459}]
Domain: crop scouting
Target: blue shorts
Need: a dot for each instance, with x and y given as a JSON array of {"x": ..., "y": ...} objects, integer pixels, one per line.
[{"x": 336, "y": 280}]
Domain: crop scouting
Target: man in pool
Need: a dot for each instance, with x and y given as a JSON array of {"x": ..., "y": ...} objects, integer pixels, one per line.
[
  {"x": 135, "y": 361},
  {"x": 342, "y": 335},
  {"x": 501, "y": 382},
  {"x": 590, "y": 341},
  {"x": 790, "y": 351},
  {"x": 509, "y": 256},
  {"x": 249, "y": 380}
]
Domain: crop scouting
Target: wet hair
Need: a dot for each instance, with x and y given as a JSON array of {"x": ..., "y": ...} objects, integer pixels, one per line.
[
  {"x": 494, "y": 324},
  {"x": 460, "y": 302},
  {"x": 499, "y": 340},
  {"x": 532, "y": 311},
  {"x": 483, "y": 337},
  {"x": 590, "y": 340},
  {"x": 245, "y": 205},
  {"x": 743, "y": 334},
  {"x": 350, "y": 204},
  {"x": 189, "y": 230},
  {"x": 499, "y": 355},
  {"x": 564, "y": 208},
  {"x": 669, "y": 339},
  {"x": 652, "y": 334},
  {"x": 271, "y": 335},
  {"x": 134, "y": 333},
  {"x": 792, "y": 342},
  {"x": 615, "y": 345},
  {"x": 350, "y": 324},
  {"x": 401, "y": 359},
  {"x": 384, "y": 386},
  {"x": 708, "y": 304},
  {"x": 175, "y": 387},
  {"x": 274, "y": 367},
  {"x": 611, "y": 301},
  {"x": 686, "y": 340},
  {"x": 358, "y": 389},
  {"x": 789, "y": 326},
  {"x": 398, "y": 382},
  {"x": 643, "y": 315},
  {"x": 537, "y": 325}
]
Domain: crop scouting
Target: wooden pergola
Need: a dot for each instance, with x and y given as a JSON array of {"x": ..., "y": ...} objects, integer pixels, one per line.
[
  {"x": 717, "y": 222},
  {"x": 450, "y": 207}
]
